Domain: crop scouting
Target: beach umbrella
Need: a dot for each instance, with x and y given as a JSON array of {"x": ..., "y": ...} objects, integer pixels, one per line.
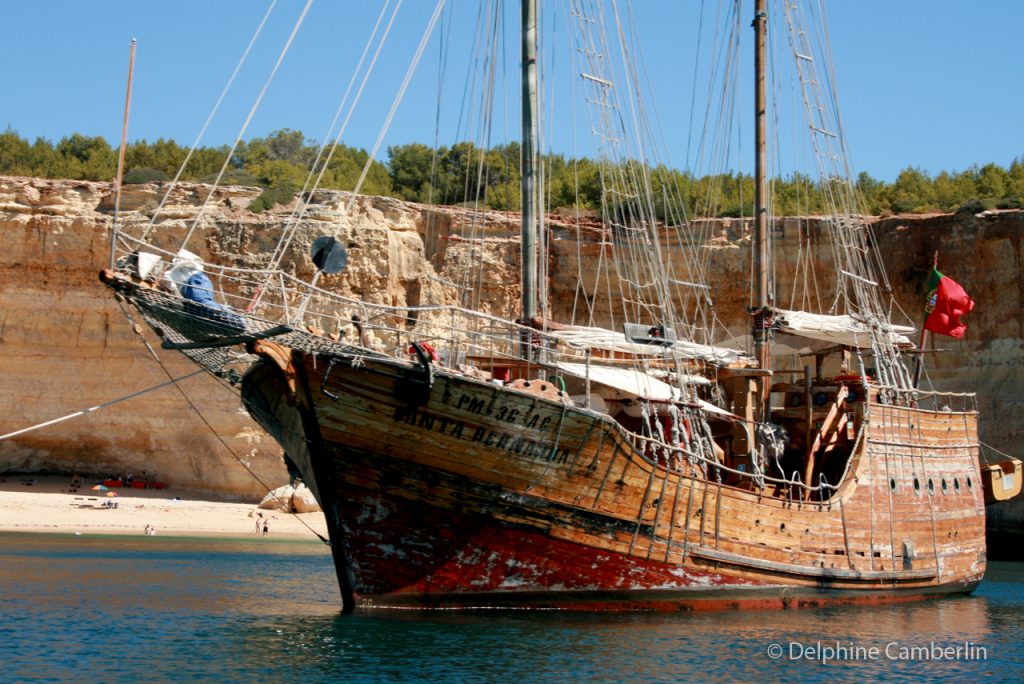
[
  {"x": 100, "y": 488},
  {"x": 111, "y": 493}
]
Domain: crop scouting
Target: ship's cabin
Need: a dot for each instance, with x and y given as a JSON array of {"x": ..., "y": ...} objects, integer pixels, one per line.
[{"x": 792, "y": 431}]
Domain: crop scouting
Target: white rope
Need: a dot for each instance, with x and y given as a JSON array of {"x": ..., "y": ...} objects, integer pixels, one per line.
[
  {"x": 248, "y": 119},
  {"x": 213, "y": 112},
  {"x": 989, "y": 446},
  {"x": 93, "y": 409},
  {"x": 291, "y": 225},
  {"x": 394, "y": 105},
  {"x": 384, "y": 129}
]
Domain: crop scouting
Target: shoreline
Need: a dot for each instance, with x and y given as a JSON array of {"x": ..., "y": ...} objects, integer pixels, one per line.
[{"x": 44, "y": 504}]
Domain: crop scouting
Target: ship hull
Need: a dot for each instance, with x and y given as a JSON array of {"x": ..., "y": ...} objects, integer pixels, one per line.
[{"x": 446, "y": 491}]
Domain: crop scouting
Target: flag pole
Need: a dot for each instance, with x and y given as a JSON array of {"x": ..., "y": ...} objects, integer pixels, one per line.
[
  {"x": 919, "y": 361},
  {"x": 120, "y": 156}
]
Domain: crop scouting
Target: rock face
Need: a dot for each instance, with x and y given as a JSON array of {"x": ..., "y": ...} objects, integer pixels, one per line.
[
  {"x": 66, "y": 345},
  {"x": 290, "y": 499}
]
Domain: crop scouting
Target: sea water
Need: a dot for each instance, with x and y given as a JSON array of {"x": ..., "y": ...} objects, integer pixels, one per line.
[{"x": 129, "y": 609}]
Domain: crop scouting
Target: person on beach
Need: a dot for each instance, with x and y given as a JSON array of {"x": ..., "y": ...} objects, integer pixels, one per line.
[{"x": 266, "y": 527}]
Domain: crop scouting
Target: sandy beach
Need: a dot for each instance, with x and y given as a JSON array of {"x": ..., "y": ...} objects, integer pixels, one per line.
[{"x": 34, "y": 503}]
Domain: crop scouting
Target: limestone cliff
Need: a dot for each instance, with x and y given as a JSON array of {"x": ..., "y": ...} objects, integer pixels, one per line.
[{"x": 65, "y": 344}]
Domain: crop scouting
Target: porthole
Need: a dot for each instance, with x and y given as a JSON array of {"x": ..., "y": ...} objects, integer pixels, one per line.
[
  {"x": 892, "y": 484},
  {"x": 945, "y": 486},
  {"x": 970, "y": 485},
  {"x": 931, "y": 486},
  {"x": 956, "y": 485},
  {"x": 917, "y": 486}
]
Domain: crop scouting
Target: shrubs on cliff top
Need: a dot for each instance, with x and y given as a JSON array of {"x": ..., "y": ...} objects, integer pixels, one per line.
[
  {"x": 467, "y": 174},
  {"x": 232, "y": 177},
  {"x": 144, "y": 175},
  {"x": 971, "y": 206},
  {"x": 975, "y": 205},
  {"x": 271, "y": 197}
]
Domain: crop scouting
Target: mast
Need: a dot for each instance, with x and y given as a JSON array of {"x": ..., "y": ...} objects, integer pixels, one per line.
[
  {"x": 120, "y": 157},
  {"x": 762, "y": 293},
  {"x": 919, "y": 357},
  {"x": 527, "y": 189}
]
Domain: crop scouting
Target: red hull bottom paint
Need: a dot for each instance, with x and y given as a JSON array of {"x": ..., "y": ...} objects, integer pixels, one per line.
[
  {"x": 776, "y": 598},
  {"x": 409, "y": 555}
]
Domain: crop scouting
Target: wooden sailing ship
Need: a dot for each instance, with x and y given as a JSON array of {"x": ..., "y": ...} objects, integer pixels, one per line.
[{"x": 475, "y": 461}]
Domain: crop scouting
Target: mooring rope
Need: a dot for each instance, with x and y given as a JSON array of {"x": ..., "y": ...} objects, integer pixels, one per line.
[
  {"x": 199, "y": 414},
  {"x": 93, "y": 409}
]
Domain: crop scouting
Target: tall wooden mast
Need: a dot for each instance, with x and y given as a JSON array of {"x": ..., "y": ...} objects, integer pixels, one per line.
[
  {"x": 762, "y": 267},
  {"x": 528, "y": 187}
]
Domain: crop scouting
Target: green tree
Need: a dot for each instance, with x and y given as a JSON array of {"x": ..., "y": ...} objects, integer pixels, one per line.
[
  {"x": 1015, "y": 177},
  {"x": 290, "y": 146},
  {"x": 409, "y": 167},
  {"x": 870, "y": 192},
  {"x": 276, "y": 172},
  {"x": 912, "y": 192},
  {"x": 992, "y": 181},
  {"x": 206, "y": 162},
  {"x": 502, "y": 177},
  {"x": 345, "y": 166},
  {"x": 86, "y": 158},
  {"x": 946, "y": 194},
  {"x": 281, "y": 145},
  {"x": 15, "y": 154}
]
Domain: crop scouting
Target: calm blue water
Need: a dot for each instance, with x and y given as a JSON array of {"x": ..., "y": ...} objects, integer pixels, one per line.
[{"x": 126, "y": 609}]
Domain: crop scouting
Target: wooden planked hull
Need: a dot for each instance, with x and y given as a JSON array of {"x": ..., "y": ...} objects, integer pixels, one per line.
[{"x": 449, "y": 491}]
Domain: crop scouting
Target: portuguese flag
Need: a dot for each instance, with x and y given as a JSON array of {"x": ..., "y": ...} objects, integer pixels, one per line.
[{"x": 947, "y": 302}]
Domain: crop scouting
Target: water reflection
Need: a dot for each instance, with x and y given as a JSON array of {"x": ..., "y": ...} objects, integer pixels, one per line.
[
  {"x": 645, "y": 647},
  {"x": 179, "y": 609},
  {"x": 120, "y": 575}
]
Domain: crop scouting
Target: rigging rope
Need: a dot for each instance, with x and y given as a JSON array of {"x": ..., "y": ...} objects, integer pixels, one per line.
[
  {"x": 209, "y": 118},
  {"x": 227, "y": 447},
  {"x": 380, "y": 137},
  {"x": 298, "y": 213},
  {"x": 248, "y": 119},
  {"x": 93, "y": 409}
]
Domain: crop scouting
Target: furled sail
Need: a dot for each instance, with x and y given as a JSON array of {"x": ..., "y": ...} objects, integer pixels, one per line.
[{"x": 820, "y": 331}]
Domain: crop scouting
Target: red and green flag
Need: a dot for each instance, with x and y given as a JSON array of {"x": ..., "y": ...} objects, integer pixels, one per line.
[{"x": 947, "y": 302}]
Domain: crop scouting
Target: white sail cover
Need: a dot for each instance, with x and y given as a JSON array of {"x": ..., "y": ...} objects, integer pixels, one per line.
[
  {"x": 627, "y": 380},
  {"x": 838, "y": 330},
  {"x": 639, "y": 384},
  {"x": 583, "y": 337}
]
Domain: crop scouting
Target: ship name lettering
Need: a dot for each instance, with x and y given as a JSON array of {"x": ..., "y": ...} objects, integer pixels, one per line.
[
  {"x": 535, "y": 421},
  {"x": 471, "y": 404},
  {"x": 495, "y": 439},
  {"x": 507, "y": 414}
]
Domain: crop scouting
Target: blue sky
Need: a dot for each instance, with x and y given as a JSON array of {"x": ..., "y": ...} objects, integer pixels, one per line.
[{"x": 929, "y": 83}]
